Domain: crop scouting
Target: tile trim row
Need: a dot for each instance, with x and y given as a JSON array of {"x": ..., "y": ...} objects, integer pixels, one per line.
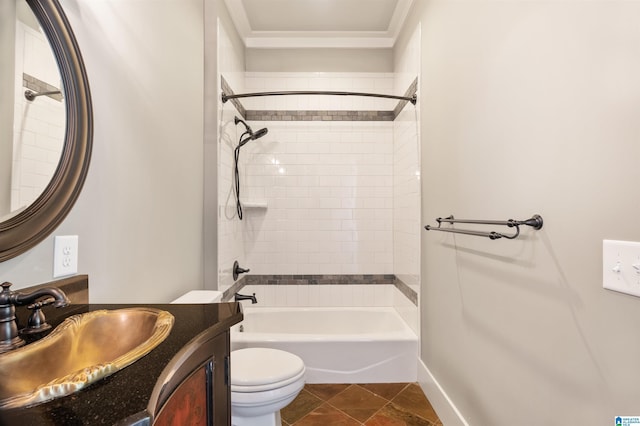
[{"x": 365, "y": 279}]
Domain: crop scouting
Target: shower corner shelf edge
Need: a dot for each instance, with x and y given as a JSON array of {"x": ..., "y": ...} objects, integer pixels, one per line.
[{"x": 255, "y": 205}]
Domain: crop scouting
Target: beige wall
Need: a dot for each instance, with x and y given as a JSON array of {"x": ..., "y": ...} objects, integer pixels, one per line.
[
  {"x": 530, "y": 107},
  {"x": 320, "y": 60},
  {"x": 7, "y": 71},
  {"x": 140, "y": 215}
]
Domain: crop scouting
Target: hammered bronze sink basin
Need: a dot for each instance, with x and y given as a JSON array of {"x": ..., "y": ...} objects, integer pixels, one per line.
[{"x": 83, "y": 349}]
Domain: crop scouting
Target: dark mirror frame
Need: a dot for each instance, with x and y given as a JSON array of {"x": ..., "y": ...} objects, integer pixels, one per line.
[{"x": 23, "y": 231}]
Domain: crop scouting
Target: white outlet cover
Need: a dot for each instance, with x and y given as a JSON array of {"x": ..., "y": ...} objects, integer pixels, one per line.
[
  {"x": 621, "y": 266},
  {"x": 65, "y": 255}
]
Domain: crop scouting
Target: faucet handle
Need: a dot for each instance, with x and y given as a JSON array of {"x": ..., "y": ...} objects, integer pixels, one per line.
[
  {"x": 37, "y": 322},
  {"x": 41, "y": 303}
]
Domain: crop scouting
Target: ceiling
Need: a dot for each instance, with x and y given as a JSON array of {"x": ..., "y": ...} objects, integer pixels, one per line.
[{"x": 318, "y": 23}]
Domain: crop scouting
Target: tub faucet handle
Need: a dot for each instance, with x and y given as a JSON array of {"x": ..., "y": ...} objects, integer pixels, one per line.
[{"x": 237, "y": 270}]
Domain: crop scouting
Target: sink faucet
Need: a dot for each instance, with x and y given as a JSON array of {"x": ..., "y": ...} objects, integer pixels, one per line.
[
  {"x": 237, "y": 297},
  {"x": 9, "y": 338}
]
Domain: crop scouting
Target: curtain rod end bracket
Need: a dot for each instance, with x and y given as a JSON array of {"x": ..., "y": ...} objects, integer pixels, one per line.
[
  {"x": 536, "y": 222},
  {"x": 414, "y": 99}
]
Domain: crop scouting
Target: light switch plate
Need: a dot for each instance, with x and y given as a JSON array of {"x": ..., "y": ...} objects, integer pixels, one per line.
[
  {"x": 65, "y": 255},
  {"x": 621, "y": 266}
]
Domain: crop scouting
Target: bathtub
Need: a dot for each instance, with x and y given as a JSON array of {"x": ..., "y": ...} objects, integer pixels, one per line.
[{"x": 337, "y": 345}]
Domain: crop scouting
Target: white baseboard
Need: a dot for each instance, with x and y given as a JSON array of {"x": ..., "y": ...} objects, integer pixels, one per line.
[{"x": 440, "y": 401}]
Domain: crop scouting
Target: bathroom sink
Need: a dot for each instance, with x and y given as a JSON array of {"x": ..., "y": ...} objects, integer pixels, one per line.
[{"x": 82, "y": 350}]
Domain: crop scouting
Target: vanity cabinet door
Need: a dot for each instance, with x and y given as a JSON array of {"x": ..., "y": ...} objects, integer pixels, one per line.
[
  {"x": 188, "y": 405},
  {"x": 221, "y": 387},
  {"x": 203, "y": 397}
]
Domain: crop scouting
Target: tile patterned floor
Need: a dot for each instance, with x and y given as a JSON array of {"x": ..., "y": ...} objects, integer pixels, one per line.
[{"x": 378, "y": 404}]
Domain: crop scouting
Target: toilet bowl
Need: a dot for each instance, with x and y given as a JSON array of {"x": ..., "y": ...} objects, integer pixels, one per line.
[{"x": 263, "y": 381}]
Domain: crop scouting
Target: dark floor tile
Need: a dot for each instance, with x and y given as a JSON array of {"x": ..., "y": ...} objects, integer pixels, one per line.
[
  {"x": 304, "y": 403},
  {"x": 326, "y": 391},
  {"x": 391, "y": 415},
  {"x": 326, "y": 415},
  {"x": 387, "y": 391},
  {"x": 358, "y": 402},
  {"x": 412, "y": 400}
]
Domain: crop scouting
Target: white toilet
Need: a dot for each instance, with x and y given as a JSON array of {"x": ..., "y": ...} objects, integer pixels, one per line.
[
  {"x": 200, "y": 296},
  {"x": 263, "y": 380}
]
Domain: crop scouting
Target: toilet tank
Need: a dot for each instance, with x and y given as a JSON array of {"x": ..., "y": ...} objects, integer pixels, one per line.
[{"x": 200, "y": 296}]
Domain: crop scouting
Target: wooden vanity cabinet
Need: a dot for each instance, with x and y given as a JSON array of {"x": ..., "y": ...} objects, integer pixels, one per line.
[{"x": 194, "y": 388}]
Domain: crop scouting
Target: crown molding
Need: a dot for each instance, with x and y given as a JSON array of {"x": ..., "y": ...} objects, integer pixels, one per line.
[{"x": 317, "y": 39}]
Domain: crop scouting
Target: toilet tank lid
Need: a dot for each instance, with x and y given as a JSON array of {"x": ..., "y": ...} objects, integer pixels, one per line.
[{"x": 200, "y": 296}]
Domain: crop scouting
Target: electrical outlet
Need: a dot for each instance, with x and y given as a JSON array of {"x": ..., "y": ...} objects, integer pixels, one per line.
[
  {"x": 621, "y": 266},
  {"x": 65, "y": 255}
]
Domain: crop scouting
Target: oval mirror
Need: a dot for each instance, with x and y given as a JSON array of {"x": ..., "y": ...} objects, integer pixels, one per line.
[{"x": 30, "y": 212}]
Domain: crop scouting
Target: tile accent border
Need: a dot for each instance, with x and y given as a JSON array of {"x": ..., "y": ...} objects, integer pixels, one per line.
[
  {"x": 378, "y": 279},
  {"x": 318, "y": 279},
  {"x": 227, "y": 89},
  {"x": 318, "y": 115},
  {"x": 227, "y": 295},
  {"x": 37, "y": 85},
  {"x": 412, "y": 90},
  {"x": 408, "y": 292}
]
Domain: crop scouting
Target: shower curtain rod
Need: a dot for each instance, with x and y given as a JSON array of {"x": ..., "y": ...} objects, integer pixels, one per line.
[
  {"x": 31, "y": 95},
  {"x": 413, "y": 99}
]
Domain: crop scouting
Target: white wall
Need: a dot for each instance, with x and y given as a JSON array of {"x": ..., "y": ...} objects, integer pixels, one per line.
[
  {"x": 530, "y": 107},
  {"x": 140, "y": 215},
  {"x": 406, "y": 181}
]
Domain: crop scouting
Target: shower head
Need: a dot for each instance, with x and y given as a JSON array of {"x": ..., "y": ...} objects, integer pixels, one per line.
[
  {"x": 260, "y": 133},
  {"x": 252, "y": 136}
]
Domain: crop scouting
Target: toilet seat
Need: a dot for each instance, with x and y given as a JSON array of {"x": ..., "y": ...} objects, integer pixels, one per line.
[{"x": 264, "y": 369}]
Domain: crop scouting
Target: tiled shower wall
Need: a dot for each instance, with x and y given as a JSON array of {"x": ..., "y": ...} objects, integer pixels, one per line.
[
  {"x": 406, "y": 183},
  {"x": 39, "y": 125},
  {"x": 318, "y": 195},
  {"x": 323, "y": 196}
]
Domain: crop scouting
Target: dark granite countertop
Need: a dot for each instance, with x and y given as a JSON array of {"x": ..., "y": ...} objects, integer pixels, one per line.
[{"x": 126, "y": 392}]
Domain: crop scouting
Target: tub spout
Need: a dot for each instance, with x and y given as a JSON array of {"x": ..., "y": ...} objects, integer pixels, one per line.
[{"x": 237, "y": 297}]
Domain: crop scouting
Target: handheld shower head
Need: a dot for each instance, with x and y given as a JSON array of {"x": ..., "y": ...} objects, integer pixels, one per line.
[
  {"x": 260, "y": 133},
  {"x": 252, "y": 136}
]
